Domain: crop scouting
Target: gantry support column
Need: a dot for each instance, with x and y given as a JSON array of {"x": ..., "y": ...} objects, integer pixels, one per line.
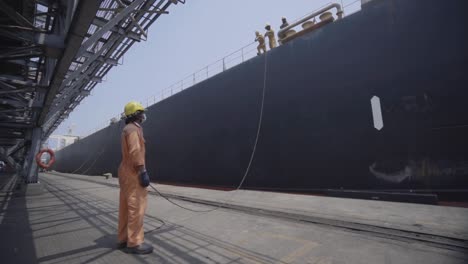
[{"x": 30, "y": 166}]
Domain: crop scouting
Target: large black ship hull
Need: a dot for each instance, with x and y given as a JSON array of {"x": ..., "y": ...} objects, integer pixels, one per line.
[{"x": 318, "y": 130}]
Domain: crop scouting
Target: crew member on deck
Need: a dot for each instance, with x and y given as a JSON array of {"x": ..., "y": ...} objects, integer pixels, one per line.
[
  {"x": 270, "y": 34},
  {"x": 261, "y": 48},
  {"x": 283, "y": 25}
]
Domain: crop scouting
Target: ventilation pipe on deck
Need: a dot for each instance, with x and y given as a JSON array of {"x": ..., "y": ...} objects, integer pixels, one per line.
[{"x": 339, "y": 14}]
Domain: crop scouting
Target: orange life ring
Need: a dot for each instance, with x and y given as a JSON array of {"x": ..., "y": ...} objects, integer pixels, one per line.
[{"x": 51, "y": 161}]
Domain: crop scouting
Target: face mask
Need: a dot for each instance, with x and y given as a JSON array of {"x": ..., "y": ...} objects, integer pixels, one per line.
[{"x": 143, "y": 118}]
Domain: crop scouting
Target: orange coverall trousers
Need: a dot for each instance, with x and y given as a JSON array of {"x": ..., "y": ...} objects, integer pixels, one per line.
[{"x": 133, "y": 197}]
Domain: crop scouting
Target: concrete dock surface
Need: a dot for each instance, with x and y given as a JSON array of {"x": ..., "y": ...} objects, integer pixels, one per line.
[{"x": 75, "y": 221}]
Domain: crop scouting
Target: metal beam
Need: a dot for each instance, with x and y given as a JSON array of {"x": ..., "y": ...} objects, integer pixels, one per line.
[
  {"x": 135, "y": 22},
  {"x": 55, "y": 41},
  {"x": 13, "y": 33},
  {"x": 75, "y": 89},
  {"x": 6, "y": 157},
  {"x": 85, "y": 10},
  {"x": 97, "y": 35},
  {"x": 134, "y": 11},
  {"x": 13, "y": 103},
  {"x": 84, "y": 70},
  {"x": 71, "y": 8},
  {"x": 25, "y": 62},
  {"x": 12, "y": 137},
  {"x": 15, "y": 16},
  {"x": 31, "y": 169},
  {"x": 5, "y": 85},
  {"x": 112, "y": 62},
  {"x": 12, "y": 150},
  {"x": 15, "y": 125},
  {"x": 87, "y": 54},
  {"x": 14, "y": 110},
  {"x": 53, "y": 119},
  {"x": 100, "y": 22},
  {"x": 69, "y": 96},
  {"x": 88, "y": 62},
  {"x": 23, "y": 90},
  {"x": 16, "y": 118},
  {"x": 15, "y": 80},
  {"x": 21, "y": 52}
]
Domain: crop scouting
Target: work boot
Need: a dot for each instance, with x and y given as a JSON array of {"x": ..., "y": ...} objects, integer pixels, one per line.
[
  {"x": 122, "y": 245},
  {"x": 140, "y": 249}
]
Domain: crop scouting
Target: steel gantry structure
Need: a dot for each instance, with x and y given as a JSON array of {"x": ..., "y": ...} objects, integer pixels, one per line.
[{"x": 52, "y": 54}]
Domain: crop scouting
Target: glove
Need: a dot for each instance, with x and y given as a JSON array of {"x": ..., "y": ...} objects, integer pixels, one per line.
[{"x": 144, "y": 179}]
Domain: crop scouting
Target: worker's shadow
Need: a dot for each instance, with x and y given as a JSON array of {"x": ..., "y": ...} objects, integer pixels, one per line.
[
  {"x": 106, "y": 241},
  {"x": 110, "y": 240}
]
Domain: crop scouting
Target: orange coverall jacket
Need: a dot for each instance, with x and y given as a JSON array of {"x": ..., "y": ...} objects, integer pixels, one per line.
[{"x": 133, "y": 197}]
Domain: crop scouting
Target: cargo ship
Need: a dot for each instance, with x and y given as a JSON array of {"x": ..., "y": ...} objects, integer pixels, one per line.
[{"x": 370, "y": 105}]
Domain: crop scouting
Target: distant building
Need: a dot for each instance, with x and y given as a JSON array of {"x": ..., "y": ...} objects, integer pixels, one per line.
[{"x": 58, "y": 142}]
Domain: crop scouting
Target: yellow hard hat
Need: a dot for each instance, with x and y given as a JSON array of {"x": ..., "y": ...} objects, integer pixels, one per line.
[{"x": 133, "y": 107}]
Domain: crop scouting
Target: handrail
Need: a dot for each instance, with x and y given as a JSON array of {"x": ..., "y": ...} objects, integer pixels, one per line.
[{"x": 339, "y": 13}]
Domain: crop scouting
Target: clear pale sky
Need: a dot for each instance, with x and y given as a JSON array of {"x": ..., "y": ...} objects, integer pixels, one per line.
[{"x": 190, "y": 37}]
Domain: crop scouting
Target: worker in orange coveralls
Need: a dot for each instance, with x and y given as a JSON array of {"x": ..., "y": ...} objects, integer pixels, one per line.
[{"x": 133, "y": 180}]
